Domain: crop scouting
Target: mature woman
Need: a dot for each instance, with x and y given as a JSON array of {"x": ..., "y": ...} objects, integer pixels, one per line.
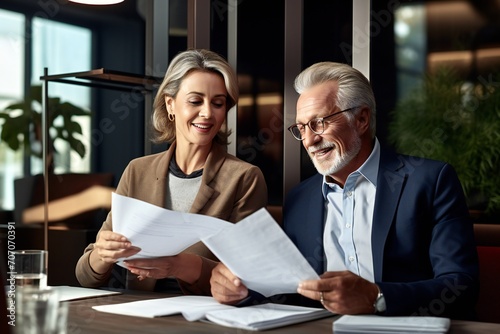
[{"x": 195, "y": 175}]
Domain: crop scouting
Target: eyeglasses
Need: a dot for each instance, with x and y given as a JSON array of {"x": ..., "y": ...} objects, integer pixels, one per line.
[{"x": 317, "y": 125}]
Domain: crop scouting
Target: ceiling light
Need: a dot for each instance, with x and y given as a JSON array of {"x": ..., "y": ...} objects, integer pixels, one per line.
[{"x": 98, "y": 2}]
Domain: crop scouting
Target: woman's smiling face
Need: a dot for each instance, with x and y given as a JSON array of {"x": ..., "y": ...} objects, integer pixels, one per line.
[{"x": 199, "y": 108}]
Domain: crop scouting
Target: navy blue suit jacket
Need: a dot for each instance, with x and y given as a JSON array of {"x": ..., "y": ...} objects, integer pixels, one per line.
[{"x": 423, "y": 247}]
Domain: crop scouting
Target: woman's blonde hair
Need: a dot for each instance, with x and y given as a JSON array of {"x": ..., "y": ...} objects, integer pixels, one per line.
[{"x": 182, "y": 65}]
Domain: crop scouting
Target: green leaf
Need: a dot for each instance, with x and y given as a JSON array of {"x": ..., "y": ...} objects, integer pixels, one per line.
[
  {"x": 74, "y": 127},
  {"x": 77, "y": 146},
  {"x": 15, "y": 128}
]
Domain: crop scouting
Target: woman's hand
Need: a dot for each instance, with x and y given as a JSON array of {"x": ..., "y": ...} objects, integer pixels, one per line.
[
  {"x": 186, "y": 267},
  {"x": 341, "y": 292},
  {"x": 111, "y": 246},
  {"x": 226, "y": 287},
  {"x": 108, "y": 248}
]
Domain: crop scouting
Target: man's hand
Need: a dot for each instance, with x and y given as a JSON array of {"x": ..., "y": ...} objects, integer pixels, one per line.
[
  {"x": 226, "y": 287},
  {"x": 341, "y": 292}
]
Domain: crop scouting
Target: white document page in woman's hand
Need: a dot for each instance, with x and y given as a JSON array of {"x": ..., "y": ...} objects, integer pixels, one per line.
[{"x": 158, "y": 231}]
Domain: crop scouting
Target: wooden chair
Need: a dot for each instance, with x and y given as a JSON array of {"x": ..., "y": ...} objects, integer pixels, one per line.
[
  {"x": 29, "y": 192},
  {"x": 68, "y": 237},
  {"x": 276, "y": 213}
]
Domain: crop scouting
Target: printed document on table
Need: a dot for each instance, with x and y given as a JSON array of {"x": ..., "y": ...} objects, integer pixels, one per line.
[
  {"x": 194, "y": 308},
  {"x": 158, "y": 231},
  {"x": 259, "y": 252},
  {"x": 66, "y": 293}
]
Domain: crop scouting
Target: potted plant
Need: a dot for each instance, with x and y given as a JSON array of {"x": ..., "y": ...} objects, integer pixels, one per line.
[
  {"x": 22, "y": 124},
  {"x": 456, "y": 121}
]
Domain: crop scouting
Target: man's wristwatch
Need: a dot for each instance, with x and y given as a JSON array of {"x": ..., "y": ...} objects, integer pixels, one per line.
[{"x": 379, "y": 305}]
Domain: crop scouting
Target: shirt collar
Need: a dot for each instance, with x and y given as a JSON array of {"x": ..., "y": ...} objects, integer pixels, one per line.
[{"x": 369, "y": 170}]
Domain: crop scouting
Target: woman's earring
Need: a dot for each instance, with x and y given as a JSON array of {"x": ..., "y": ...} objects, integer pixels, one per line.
[{"x": 171, "y": 117}]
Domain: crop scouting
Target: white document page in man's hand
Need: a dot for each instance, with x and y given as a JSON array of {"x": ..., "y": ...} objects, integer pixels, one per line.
[
  {"x": 158, "y": 231},
  {"x": 259, "y": 252}
]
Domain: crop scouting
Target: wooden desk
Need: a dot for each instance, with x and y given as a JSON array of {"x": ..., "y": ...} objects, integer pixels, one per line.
[{"x": 83, "y": 319}]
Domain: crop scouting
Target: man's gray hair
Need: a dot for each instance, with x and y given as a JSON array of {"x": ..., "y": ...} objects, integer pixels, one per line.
[{"x": 354, "y": 89}]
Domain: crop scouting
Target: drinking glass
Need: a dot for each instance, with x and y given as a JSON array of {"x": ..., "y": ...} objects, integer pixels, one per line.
[
  {"x": 37, "y": 311},
  {"x": 30, "y": 267}
]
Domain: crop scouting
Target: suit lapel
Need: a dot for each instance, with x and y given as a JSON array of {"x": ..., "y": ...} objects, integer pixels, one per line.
[
  {"x": 312, "y": 232},
  {"x": 158, "y": 191},
  {"x": 390, "y": 181}
]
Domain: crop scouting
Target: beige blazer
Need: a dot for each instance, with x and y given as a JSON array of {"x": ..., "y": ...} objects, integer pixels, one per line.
[{"x": 230, "y": 189}]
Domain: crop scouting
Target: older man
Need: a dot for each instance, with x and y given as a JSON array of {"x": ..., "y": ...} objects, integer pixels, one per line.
[{"x": 389, "y": 234}]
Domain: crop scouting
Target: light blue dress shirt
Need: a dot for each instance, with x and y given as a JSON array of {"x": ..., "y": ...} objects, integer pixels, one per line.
[{"x": 349, "y": 218}]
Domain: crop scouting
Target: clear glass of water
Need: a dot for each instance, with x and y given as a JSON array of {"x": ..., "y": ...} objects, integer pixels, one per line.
[
  {"x": 37, "y": 311},
  {"x": 30, "y": 267}
]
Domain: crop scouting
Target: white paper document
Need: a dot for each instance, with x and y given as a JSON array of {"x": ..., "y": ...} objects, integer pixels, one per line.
[
  {"x": 193, "y": 308},
  {"x": 158, "y": 231},
  {"x": 66, "y": 293},
  {"x": 259, "y": 252},
  {"x": 368, "y": 324},
  {"x": 256, "y": 249},
  {"x": 265, "y": 316}
]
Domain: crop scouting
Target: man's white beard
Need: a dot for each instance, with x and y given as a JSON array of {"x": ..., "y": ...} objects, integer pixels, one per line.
[{"x": 340, "y": 161}]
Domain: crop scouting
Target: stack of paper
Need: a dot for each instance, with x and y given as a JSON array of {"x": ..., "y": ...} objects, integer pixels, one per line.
[
  {"x": 193, "y": 308},
  {"x": 368, "y": 324},
  {"x": 265, "y": 316}
]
